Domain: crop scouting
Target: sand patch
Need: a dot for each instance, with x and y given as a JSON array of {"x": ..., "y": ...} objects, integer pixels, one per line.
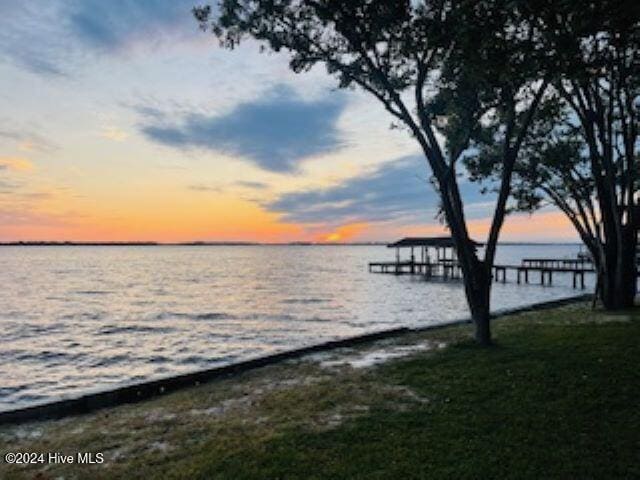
[
  {"x": 159, "y": 415},
  {"x": 22, "y": 433},
  {"x": 373, "y": 357}
]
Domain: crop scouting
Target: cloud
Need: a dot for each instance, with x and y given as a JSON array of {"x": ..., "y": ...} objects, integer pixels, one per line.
[
  {"x": 112, "y": 25},
  {"x": 32, "y": 36},
  {"x": 398, "y": 191},
  {"x": 27, "y": 140},
  {"x": 202, "y": 187},
  {"x": 37, "y": 195},
  {"x": 16, "y": 164},
  {"x": 274, "y": 133},
  {"x": 252, "y": 185},
  {"x": 52, "y": 38},
  {"x": 114, "y": 133},
  {"x": 7, "y": 187},
  {"x": 26, "y": 216},
  {"x": 199, "y": 187},
  {"x": 35, "y": 63}
]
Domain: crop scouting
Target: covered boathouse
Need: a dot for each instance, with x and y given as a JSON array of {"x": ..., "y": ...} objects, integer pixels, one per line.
[{"x": 436, "y": 256}]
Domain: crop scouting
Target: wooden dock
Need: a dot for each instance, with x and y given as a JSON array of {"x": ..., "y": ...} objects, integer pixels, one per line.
[
  {"x": 557, "y": 262},
  {"x": 451, "y": 269},
  {"x": 438, "y": 259},
  {"x": 546, "y": 273},
  {"x": 444, "y": 269}
]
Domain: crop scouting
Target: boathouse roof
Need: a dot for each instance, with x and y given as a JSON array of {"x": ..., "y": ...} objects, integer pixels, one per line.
[{"x": 446, "y": 242}]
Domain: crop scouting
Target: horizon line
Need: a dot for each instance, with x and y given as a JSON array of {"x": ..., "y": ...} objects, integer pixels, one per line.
[{"x": 151, "y": 243}]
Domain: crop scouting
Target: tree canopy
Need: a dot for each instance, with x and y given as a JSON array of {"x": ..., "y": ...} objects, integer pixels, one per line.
[
  {"x": 476, "y": 72},
  {"x": 582, "y": 155}
]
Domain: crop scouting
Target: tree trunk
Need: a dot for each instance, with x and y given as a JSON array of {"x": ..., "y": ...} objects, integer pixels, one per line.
[
  {"x": 626, "y": 272},
  {"x": 617, "y": 272},
  {"x": 477, "y": 285}
]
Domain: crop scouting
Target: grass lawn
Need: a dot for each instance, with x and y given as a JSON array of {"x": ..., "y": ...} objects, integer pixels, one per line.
[{"x": 557, "y": 397}]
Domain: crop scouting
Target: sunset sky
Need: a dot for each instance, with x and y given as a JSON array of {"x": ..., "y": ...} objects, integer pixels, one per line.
[{"x": 121, "y": 120}]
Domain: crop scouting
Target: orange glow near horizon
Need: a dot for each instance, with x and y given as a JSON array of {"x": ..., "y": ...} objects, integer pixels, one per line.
[
  {"x": 541, "y": 226},
  {"x": 248, "y": 223},
  {"x": 344, "y": 233},
  {"x": 164, "y": 213},
  {"x": 143, "y": 216}
]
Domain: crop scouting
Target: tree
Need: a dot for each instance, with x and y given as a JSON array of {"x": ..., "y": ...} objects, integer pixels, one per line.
[
  {"x": 600, "y": 63},
  {"x": 397, "y": 51},
  {"x": 582, "y": 155}
]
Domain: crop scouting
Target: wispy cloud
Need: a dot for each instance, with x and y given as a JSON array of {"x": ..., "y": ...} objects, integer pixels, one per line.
[
  {"x": 25, "y": 216},
  {"x": 275, "y": 132},
  {"x": 398, "y": 191},
  {"x": 26, "y": 139},
  {"x": 114, "y": 133},
  {"x": 252, "y": 185},
  {"x": 50, "y": 38},
  {"x": 8, "y": 187},
  {"x": 16, "y": 164},
  {"x": 114, "y": 24},
  {"x": 201, "y": 187},
  {"x": 32, "y": 36}
]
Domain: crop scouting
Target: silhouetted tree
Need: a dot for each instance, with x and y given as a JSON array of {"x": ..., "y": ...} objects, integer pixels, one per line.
[
  {"x": 582, "y": 155},
  {"x": 403, "y": 53},
  {"x": 599, "y": 49}
]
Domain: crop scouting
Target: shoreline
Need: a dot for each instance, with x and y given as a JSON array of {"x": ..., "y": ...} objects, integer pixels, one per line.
[
  {"x": 135, "y": 393},
  {"x": 420, "y": 405}
]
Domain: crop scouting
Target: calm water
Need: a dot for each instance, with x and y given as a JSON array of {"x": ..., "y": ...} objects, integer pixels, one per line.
[{"x": 80, "y": 319}]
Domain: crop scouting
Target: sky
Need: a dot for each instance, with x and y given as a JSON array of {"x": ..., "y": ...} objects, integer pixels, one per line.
[{"x": 122, "y": 121}]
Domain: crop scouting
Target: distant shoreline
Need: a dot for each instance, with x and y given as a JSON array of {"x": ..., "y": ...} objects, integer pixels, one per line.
[{"x": 231, "y": 244}]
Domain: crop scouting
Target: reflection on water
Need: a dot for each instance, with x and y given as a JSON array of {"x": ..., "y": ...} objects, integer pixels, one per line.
[{"x": 79, "y": 319}]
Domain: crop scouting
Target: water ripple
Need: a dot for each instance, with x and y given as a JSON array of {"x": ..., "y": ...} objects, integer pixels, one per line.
[{"x": 79, "y": 319}]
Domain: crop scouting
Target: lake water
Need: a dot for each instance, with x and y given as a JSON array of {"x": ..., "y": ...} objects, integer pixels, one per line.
[{"x": 80, "y": 319}]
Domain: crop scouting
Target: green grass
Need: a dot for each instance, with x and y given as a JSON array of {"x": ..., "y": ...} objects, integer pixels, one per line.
[{"x": 557, "y": 397}]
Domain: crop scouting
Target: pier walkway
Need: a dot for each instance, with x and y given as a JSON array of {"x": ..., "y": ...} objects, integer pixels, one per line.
[
  {"x": 453, "y": 270},
  {"x": 438, "y": 259}
]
